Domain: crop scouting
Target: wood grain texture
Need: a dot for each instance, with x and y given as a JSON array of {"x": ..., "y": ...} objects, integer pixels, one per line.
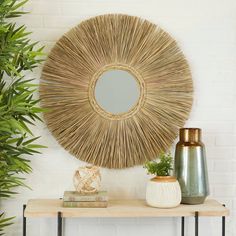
[
  {"x": 122, "y": 208},
  {"x": 69, "y": 76}
]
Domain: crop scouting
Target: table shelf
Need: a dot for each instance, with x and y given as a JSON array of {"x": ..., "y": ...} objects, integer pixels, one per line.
[{"x": 122, "y": 208}]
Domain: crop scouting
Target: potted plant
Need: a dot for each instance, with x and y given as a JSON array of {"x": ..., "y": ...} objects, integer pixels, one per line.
[
  {"x": 18, "y": 105},
  {"x": 163, "y": 190}
]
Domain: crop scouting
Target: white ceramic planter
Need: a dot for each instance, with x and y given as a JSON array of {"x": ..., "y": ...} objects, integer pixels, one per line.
[{"x": 163, "y": 192}]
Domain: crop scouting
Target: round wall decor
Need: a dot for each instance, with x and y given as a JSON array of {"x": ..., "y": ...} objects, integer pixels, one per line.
[{"x": 117, "y": 89}]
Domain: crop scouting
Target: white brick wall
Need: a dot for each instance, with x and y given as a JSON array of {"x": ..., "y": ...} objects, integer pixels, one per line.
[{"x": 206, "y": 31}]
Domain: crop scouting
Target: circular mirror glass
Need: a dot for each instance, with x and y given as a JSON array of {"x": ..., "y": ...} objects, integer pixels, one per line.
[{"x": 117, "y": 91}]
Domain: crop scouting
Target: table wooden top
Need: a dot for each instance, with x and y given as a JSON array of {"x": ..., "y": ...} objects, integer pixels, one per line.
[{"x": 122, "y": 208}]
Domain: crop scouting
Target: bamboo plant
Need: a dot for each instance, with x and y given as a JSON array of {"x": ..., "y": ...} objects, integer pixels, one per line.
[{"x": 18, "y": 107}]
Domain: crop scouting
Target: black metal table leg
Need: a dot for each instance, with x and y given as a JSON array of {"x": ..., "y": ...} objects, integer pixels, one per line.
[
  {"x": 223, "y": 224},
  {"x": 182, "y": 226},
  {"x": 59, "y": 224},
  {"x": 24, "y": 221},
  {"x": 196, "y": 223}
]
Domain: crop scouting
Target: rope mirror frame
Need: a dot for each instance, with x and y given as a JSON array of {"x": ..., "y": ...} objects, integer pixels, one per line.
[{"x": 69, "y": 77}]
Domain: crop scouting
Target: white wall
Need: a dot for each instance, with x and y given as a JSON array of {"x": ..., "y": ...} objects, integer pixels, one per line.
[{"x": 206, "y": 31}]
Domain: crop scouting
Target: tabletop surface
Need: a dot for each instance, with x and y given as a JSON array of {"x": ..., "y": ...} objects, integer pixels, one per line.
[{"x": 122, "y": 208}]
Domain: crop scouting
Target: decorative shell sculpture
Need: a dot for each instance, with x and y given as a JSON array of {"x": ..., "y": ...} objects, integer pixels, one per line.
[
  {"x": 87, "y": 180},
  {"x": 76, "y": 63}
]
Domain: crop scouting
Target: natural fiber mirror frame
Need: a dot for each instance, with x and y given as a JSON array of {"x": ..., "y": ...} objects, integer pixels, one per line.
[{"x": 69, "y": 78}]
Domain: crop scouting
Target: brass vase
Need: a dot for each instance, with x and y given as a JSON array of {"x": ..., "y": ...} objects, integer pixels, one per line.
[{"x": 191, "y": 166}]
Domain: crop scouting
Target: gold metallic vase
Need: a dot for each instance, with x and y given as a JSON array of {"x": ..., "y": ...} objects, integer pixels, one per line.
[{"x": 191, "y": 166}]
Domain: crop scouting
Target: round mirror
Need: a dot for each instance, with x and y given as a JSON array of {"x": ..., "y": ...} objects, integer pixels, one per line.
[{"x": 117, "y": 91}]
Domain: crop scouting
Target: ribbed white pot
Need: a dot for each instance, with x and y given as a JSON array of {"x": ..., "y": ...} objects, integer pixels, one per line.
[{"x": 163, "y": 192}]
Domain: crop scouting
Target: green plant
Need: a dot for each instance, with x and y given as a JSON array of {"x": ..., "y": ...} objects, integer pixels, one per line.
[
  {"x": 4, "y": 222},
  {"x": 162, "y": 167},
  {"x": 18, "y": 107}
]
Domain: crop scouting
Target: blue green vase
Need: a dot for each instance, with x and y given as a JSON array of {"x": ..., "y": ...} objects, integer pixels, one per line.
[{"x": 191, "y": 166}]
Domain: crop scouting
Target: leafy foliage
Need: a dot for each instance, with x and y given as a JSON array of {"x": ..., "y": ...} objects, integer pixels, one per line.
[
  {"x": 4, "y": 222},
  {"x": 161, "y": 168},
  {"x": 17, "y": 52},
  {"x": 18, "y": 107}
]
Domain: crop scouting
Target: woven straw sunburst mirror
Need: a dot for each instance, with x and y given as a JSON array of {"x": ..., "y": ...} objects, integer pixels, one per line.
[{"x": 76, "y": 64}]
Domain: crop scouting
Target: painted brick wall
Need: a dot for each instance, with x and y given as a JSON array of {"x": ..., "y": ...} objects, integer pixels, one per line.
[{"x": 206, "y": 31}]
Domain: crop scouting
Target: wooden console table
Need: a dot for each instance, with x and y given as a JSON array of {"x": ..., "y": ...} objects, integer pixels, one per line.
[{"x": 122, "y": 208}]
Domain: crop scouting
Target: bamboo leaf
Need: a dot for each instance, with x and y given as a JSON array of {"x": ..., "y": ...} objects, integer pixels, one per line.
[
  {"x": 30, "y": 141},
  {"x": 20, "y": 4},
  {"x": 30, "y": 146}
]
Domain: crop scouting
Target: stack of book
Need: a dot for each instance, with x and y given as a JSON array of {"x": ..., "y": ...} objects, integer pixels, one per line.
[{"x": 78, "y": 200}]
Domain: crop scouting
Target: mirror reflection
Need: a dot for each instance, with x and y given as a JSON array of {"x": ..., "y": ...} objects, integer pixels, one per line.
[{"x": 117, "y": 91}]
